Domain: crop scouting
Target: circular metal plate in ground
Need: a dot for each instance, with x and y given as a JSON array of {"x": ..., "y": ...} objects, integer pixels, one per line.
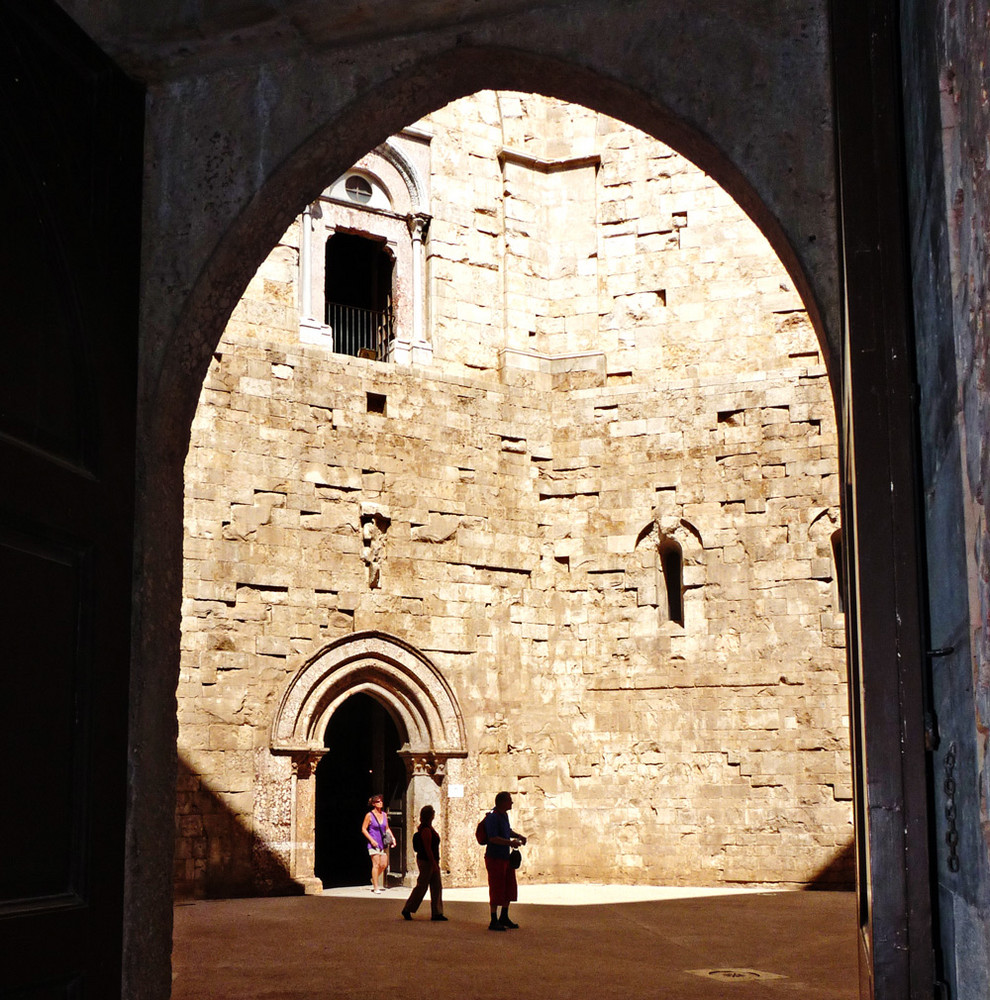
[{"x": 735, "y": 975}]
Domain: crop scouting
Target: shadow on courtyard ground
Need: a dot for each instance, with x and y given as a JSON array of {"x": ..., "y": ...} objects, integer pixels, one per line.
[
  {"x": 338, "y": 948},
  {"x": 241, "y": 864},
  {"x": 839, "y": 873}
]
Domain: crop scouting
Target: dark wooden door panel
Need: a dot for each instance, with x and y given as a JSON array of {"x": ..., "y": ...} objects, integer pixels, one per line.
[
  {"x": 41, "y": 395},
  {"x": 882, "y": 514},
  {"x": 44, "y": 680},
  {"x": 70, "y": 167}
]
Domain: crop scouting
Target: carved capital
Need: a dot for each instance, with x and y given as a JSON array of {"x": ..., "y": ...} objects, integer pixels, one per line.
[
  {"x": 428, "y": 764},
  {"x": 418, "y": 223},
  {"x": 304, "y": 762}
]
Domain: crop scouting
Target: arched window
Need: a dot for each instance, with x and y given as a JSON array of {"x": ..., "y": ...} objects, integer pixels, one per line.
[
  {"x": 672, "y": 578},
  {"x": 359, "y": 189},
  {"x": 363, "y": 189},
  {"x": 359, "y": 295},
  {"x": 362, "y": 257}
]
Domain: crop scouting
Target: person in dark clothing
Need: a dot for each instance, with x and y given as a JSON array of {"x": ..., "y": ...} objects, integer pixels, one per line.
[
  {"x": 501, "y": 841},
  {"x": 426, "y": 844}
]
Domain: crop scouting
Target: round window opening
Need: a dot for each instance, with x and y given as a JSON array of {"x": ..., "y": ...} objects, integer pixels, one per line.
[{"x": 358, "y": 189}]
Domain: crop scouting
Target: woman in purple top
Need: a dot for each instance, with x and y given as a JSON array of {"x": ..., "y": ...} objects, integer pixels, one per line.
[{"x": 380, "y": 839}]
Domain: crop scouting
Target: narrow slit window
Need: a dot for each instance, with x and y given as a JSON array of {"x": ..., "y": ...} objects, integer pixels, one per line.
[
  {"x": 672, "y": 576},
  {"x": 840, "y": 571}
]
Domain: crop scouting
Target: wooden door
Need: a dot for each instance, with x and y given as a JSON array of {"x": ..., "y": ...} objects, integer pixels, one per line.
[
  {"x": 882, "y": 514},
  {"x": 70, "y": 163}
]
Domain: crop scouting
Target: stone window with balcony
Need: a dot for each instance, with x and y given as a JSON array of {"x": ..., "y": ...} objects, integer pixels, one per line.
[{"x": 362, "y": 253}]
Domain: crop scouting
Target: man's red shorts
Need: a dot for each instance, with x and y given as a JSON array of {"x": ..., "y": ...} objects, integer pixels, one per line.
[{"x": 502, "y": 888}]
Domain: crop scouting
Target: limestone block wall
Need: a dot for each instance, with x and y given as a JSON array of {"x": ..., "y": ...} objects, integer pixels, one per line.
[
  {"x": 505, "y": 511},
  {"x": 557, "y": 229}
]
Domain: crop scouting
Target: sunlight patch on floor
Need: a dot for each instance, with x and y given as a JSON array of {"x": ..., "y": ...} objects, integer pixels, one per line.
[{"x": 572, "y": 894}]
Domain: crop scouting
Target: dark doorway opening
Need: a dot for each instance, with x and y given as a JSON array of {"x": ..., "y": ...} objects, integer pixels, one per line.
[
  {"x": 362, "y": 760},
  {"x": 359, "y": 295}
]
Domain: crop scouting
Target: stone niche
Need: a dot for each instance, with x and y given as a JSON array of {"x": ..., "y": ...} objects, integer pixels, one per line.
[{"x": 574, "y": 528}]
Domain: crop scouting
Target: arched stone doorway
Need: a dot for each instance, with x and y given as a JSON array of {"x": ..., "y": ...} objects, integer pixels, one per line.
[
  {"x": 419, "y": 702},
  {"x": 362, "y": 760}
]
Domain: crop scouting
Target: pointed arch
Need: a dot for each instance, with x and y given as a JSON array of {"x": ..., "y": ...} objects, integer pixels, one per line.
[
  {"x": 390, "y": 152},
  {"x": 396, "y": 674}
]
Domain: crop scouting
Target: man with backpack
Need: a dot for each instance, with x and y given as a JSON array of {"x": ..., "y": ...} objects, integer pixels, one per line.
[{"x": 500, "y": 840}]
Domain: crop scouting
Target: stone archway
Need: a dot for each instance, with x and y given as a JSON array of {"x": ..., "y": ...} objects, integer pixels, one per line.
[
  {"x": 410, "y": 688},
  {"x": 201, "y": 251}
]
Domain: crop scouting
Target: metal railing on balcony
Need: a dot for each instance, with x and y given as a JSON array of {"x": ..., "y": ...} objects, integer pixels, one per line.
[{"x": 364, "y": 333}]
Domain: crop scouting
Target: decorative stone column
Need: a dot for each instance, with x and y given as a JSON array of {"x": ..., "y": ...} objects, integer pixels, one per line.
[
  {"x": 312, "y": 329},
  {"x": 421, "y": 351},
  {"x": 303, "y": 861},
  {"x": 306, "y": 265}
]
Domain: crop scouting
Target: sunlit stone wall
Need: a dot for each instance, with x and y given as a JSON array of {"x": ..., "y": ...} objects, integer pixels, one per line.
[{"x": 619, "y": 369}]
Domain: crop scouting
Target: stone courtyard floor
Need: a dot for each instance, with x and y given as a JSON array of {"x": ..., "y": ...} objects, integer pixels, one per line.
[
  {"x": 628, "y": 942},
  {"x": 603, "y": 942}
]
